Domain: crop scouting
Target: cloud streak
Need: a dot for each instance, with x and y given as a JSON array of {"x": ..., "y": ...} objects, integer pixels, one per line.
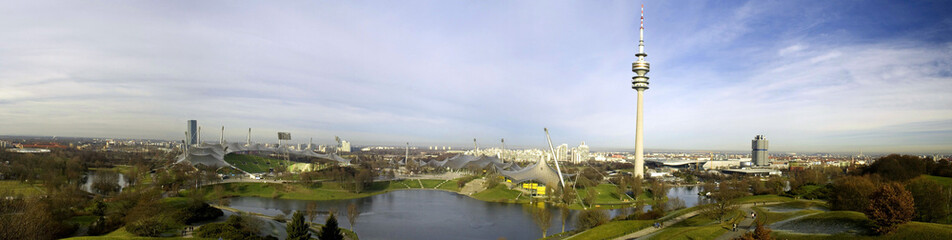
[{"x": 442, "y": 72}]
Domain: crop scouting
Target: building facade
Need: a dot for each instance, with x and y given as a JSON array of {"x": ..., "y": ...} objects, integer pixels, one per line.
[{"x": 758, "y": 152}]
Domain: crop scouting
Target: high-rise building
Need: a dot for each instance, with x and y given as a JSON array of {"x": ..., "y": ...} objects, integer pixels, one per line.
[
  {"x": 344, "y": 146},
  {"x": 758, "y": 153},
  {"x": 640, "y": 83},
  {"x": 192, "y": 132},
  {"x": 562, "y": 152},
  {"x": 583, "y": 152}
]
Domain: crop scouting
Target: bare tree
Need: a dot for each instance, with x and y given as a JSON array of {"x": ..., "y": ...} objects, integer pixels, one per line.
[
  {"x": 352, "y": 213},
  {"x": 311, "y": 211},
  {"x": 541, "y": 217}
]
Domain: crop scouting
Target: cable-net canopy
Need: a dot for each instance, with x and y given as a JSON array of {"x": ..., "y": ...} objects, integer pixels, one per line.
[
  {"x": 462, "y": 161},
  {"x": 539, "y": 172},
  {"x": 213, "y": 155}
]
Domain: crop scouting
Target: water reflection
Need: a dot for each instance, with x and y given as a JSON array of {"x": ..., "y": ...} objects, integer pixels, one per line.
[
  {"x": 420, "y": 214},
  {"x": 423, "y": 214}
]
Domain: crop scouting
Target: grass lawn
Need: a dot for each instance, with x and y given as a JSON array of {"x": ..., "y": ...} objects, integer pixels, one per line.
[
  {"x": 255, "y": 164},
  {"x": 605, "y": 194},
  {"x": 500, "y": 194},
  {"x": 773, "y": 216},
  {"x": 431, "y": 183},
  {"x": 82, "y": 220},
  {"x": 326, "y": 191},
  {"x": 614, "y": 229},
  {"x": 698, "y": 227},
  {"x": 17, "y": 187},
  {"x": 944, "y": 181},
  {"x": 764, "y": 198},
  {"x": 911, "y": 231},
  {"x": 121, "y": 233}
]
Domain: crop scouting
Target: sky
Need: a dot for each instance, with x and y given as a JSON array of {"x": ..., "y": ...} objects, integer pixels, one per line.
[{"x": 813, "y": 76}]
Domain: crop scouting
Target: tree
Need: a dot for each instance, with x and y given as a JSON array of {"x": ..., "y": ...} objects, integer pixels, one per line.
[
  {"x": 330, "y": 231},
  {"x": 352, "y": 213},
  {"x": 897, "y": 167},
  {"x": 542, "y": 218},
  {"x": 311, "y": 211},
  {"x": 930, "y": 200},
  {"x": 636, "y": 186},
  {"x": 622, "y": 189},
  {"x": 591, "y": 218},
  {"x": 724, "y": 199},
  {"x": 759, "y": 233},
  {"x": 851, "y": 193},
  {"x": 298, "y": 227},
  {"x": 889, "y": 207}
]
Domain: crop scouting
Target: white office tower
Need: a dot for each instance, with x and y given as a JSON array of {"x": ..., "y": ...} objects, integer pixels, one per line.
[
  {"x": 583, "y": 153},
  {"x": 344, "y": 146},
  {"x": 758, "y": 153},
  {"x": 640, "y": 83},
  {"x": 562, "y": 152}
]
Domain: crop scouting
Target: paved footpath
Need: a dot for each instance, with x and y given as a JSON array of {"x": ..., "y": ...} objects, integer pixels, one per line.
[
  {"x": 743, "y": 226},
  {"x": 672, "y": 221}
]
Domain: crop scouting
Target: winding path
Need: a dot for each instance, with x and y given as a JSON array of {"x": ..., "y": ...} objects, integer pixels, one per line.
[{"x": 649, "y": 230}]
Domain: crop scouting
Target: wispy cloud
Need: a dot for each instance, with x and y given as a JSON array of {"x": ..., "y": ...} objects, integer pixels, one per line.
[{"x": 378, "y": 72}]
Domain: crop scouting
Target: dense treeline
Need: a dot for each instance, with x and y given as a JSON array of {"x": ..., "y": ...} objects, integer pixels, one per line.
[
  {"x": 143, "y": 207},
  {"x": 892, "y": 191}
]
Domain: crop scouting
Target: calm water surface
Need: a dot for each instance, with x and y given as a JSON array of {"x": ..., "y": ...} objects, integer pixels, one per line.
[{"x": 427, "y": 214}]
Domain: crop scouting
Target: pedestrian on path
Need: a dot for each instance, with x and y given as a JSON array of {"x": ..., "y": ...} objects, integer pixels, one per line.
[{"x": 734, "y": 228}]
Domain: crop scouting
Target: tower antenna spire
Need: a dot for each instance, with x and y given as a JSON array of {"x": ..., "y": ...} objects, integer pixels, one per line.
[{"x": 641, "y": 32}]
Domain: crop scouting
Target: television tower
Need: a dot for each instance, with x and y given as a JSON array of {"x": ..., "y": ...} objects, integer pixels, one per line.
[{"x": 640, "y": 83}]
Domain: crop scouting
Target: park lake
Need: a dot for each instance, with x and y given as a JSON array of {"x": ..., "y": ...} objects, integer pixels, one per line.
[{"x": 432, "y": 214}]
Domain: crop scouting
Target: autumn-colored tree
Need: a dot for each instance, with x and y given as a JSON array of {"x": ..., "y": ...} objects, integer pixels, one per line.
[
  {"x": 930, "y": 200},
  {"x": 851, "y": 193},
  {"x": 889, "y": 207},
  {"x": 759, "y": 233}
]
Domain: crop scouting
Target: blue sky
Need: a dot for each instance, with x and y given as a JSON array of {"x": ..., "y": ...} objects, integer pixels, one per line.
[{"x": 826, "y": 76}]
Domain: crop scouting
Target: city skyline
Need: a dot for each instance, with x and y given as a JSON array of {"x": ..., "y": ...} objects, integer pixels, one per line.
[{"x": 814, "y": 76}]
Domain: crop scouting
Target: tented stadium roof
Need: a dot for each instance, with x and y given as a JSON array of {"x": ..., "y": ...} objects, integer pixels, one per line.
[
  {"x": 213, "y": 155},
  {"x": 539, "y": 172},
  {"x": 466, "y": 161}
]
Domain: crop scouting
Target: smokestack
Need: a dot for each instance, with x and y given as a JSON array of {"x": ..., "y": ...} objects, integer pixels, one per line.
[
  {"x": 249, "y": 136},
  {"x": 222, "y": 140}
]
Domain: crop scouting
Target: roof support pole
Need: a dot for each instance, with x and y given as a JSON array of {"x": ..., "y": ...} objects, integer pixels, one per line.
[{"x": 557, "y": 169}]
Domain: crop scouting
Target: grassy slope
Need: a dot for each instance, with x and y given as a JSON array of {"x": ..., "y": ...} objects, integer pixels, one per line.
[
  {"x": 614, "y": 229},
  {"x": 500, "y": 194},
  {"x": 327, "y": 190},
  {"x": 697, "y": 227},
  {"x": 122, "y": 234},
  {"x": 18, "y": 187},
  {"x": 944, "y": 181},
  {"x": 255, "y": 164},
  {"x": 911, "y": 230}
]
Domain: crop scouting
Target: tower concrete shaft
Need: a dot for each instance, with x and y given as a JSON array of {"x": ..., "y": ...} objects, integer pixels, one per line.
[{"x": 640, "y": 83}]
